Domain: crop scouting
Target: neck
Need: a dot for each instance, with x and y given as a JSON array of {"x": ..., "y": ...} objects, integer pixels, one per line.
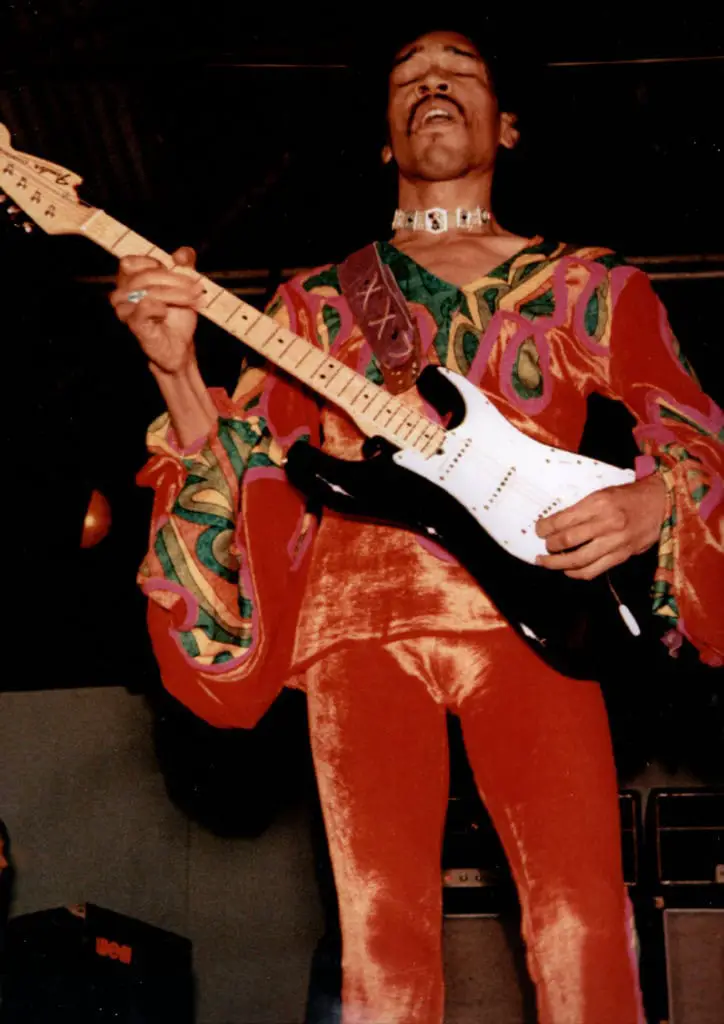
[{"x": 468, "y": 192}]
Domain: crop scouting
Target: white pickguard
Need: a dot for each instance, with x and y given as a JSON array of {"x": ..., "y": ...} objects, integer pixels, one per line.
[{"x": 506, "y": 479}]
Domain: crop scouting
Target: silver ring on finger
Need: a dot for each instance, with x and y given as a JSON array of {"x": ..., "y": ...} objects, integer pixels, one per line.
[{"x": 137, "y": 296}]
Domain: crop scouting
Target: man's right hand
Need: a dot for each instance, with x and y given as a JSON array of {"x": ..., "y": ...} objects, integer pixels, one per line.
[{"x": 164, "y": 321}]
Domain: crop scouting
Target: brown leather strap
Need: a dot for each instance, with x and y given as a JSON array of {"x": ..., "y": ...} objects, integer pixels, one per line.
[{"x": 378, "y": 306}]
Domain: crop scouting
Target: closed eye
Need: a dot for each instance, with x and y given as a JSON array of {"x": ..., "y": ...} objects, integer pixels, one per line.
[{"x": 452, "y": 74}]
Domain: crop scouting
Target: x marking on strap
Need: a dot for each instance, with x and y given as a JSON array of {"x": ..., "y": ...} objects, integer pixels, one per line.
[
  {"x": 383, "y": 320},
  {"x": 374, "y": 286}
]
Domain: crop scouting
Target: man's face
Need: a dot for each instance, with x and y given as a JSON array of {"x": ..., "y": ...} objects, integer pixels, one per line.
[{"x": 442, "y": 112}]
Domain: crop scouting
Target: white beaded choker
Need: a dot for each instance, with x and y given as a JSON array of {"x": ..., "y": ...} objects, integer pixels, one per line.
[{"x": 436, "y": 220}]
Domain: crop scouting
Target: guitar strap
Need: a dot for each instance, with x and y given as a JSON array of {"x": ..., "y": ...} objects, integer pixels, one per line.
[{"x": 380, "y": 310}]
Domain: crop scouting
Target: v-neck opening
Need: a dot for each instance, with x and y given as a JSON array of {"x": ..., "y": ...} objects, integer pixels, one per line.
[{"x": 493, "y": 274}]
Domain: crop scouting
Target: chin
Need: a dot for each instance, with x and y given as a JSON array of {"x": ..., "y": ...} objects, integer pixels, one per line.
[
  {"x": 441, "y": 170},
  {"x": 439, "y": 162}
]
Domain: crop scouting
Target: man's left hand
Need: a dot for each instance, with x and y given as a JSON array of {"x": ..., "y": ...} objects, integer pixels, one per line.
[{"x": 604, "y": 529}]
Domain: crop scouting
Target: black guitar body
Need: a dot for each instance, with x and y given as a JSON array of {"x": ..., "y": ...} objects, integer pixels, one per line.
[{"x": 574, "y": 625}]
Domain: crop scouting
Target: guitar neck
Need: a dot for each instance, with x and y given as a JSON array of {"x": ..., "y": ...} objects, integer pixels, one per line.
[{"x": 375, "y": 411}]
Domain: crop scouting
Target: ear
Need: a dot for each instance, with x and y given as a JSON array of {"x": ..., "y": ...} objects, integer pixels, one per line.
[
  {"x": 387, "y": 156},
  {"x": 509, "y": 133}
]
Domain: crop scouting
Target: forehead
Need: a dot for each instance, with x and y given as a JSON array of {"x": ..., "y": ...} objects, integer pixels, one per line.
[{"x": 436, "y": 43}]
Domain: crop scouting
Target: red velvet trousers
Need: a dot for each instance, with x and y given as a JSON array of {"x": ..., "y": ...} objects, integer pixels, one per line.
[{"x": 540, "y": 750}]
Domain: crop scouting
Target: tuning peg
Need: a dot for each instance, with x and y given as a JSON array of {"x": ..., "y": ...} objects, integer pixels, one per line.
[
  {"x": 27, "y": 227},
  {"x": 13, "y": 211},
  {"x": 3, "y": 197}
]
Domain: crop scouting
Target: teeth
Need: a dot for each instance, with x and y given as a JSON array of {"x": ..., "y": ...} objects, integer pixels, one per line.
[{"x": 437, "y": 112}]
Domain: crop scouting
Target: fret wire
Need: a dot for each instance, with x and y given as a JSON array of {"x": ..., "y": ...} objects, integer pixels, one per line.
[
  {"x": 360, "y": 392},
  {"x": 263, "y": 344},
  {"x": 221, "y": 291},
  {"x": 402, "y": 408},
  {"x": 398, "y": 407},
  {"x": 385, "y": 406},
  {"x": 177, "y": 268},
  {"x": 352, "y": 377},
  {"x": 317, "y": 368},
  {"x": 245, "y": 309},
  {"x": 421, "y": 444},
  {"x": 327, "y": 363},
  {"x": 430, "y": 441},
  {"x": 423, "y": 423},
  {"x": 233, "y": 313},
  {"x": 162, "y": 257},
  {"x": 439, "y": 438},
  {"x": 249, "y": 327},
  {"x": 428, "y": 423},
  {"x": 412, "y": 428},
  {"x": 374, "y": 398},
  {"x": 281, "y": 354},
  {"x": 118, "y": 241},
  {"x": 117, "y": 224},
  {"x": 407, "y": 440},
  {"x": 334, "y": 375},
  {"x": 290, "y": 347},
  {"x": 411, "y": 433},
  {"x": 307, "y": 353}
]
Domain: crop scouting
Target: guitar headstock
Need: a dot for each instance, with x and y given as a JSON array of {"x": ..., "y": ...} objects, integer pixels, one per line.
[{"x": 45, "y": 191}]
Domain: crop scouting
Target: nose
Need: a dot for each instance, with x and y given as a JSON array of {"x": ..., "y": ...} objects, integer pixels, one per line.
[{"x": 434, "y": 82}]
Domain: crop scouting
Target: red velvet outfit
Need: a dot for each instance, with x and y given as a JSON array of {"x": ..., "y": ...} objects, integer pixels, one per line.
[{"x": 385, "y": 632}]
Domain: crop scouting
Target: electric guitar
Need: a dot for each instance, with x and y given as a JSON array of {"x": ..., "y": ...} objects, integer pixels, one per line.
[{"x": 476, "y": 487}]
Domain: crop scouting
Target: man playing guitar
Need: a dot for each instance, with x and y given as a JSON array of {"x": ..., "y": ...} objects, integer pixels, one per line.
[{"x": 249, "y": 592}]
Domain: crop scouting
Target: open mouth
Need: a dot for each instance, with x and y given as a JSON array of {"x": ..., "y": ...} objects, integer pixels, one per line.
[{"x": 435, "y": 113}]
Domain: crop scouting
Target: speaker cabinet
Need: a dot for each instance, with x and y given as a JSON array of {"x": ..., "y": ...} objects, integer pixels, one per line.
[
  {"x": 685, "y": 836},
  {"x": 485, "y": 975},
  {"x": 694, "y": 940}
]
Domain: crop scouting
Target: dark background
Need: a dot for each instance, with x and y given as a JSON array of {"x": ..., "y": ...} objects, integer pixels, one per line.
[{"x": 255, "y": 136}]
